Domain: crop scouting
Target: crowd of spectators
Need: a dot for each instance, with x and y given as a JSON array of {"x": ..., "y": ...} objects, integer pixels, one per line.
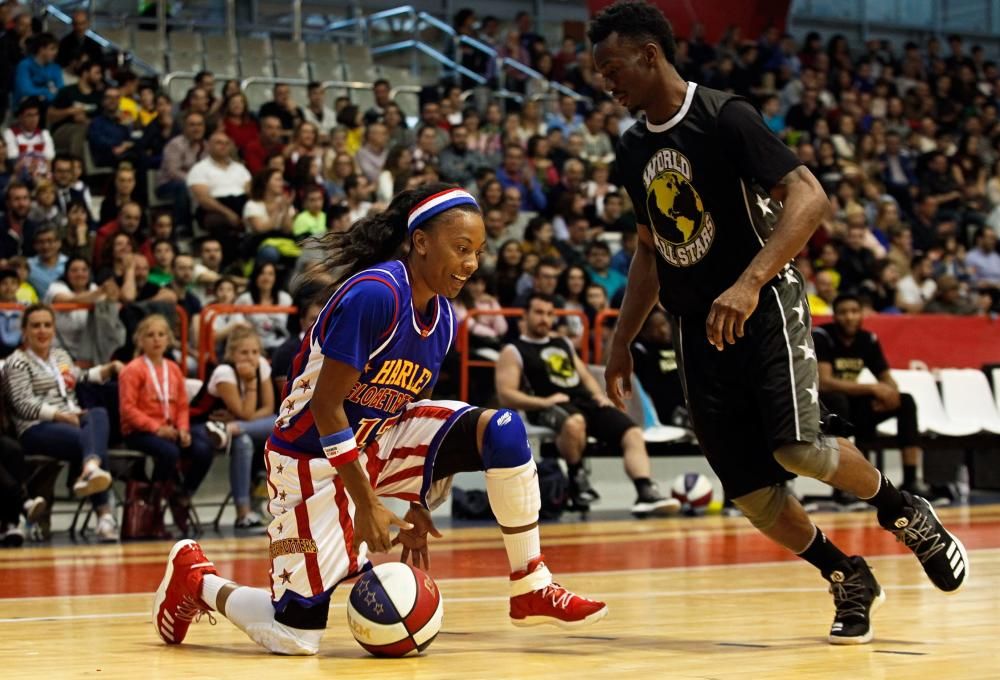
[{"x": 905, "y": 139}]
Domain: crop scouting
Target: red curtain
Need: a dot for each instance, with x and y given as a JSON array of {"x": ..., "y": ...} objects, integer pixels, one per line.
[{"x": 753, "y": 16}]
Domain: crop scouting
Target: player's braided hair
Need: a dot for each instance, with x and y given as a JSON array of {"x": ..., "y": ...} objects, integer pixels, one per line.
[
  {"x": 635, "y": 20},
  {"x": 379, "y": 237}
]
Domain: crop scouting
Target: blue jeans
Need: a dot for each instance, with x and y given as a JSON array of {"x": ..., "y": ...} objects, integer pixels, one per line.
[
  {"x": 254, "y": 434},
  {"x": 73, "y": 444},
  {"x": 166, "y": 455}
]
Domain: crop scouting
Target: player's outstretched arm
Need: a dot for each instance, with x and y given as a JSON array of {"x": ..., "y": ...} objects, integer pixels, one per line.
[
  {"x": 641, "y": 293},
  {"x": 372, "y": 520}
]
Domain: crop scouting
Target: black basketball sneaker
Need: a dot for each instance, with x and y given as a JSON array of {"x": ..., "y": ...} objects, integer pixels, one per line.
[
  {"x": 856, "y": 596},
  {"x": 941, "y": 554}
]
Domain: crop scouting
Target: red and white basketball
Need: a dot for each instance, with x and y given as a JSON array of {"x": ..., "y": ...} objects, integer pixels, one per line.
[
  {"x": 395, "y": 610},
  {"x": 693, "y": 489}
]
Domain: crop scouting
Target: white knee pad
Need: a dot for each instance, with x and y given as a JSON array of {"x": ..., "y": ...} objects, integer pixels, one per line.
[
  {"x": 818, "y": 459},
  {"x": 278, "y": 638},
  {"x": 514, "y": 495}
]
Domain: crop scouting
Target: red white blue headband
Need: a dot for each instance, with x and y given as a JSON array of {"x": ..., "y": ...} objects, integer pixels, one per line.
[{"x": 436, "y": 204}]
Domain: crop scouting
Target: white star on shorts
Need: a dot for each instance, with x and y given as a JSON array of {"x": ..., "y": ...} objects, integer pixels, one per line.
[
  {"x": 813, "y": 394},
  {"x": 801, "y": 312},
  {"x": 807, "y": 351},
  {"x": 790, "y": 276}
]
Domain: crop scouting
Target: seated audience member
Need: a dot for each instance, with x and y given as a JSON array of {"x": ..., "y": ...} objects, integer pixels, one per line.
[
  {"x": 110, "y": 140},
  {"x": 44, "y": 208},
  {"x": 312, "y": 220},
  {"x": 599, "y": 268},
  {"x": 180, "y": 155},
  {"x": 124, "y": 192},
  {"x": 79, "y": 240},
  {"x": 155, "y": 417},
  {"x": 265, "y": 145},
  {"x": 372, "y": 155},
  {"x": 317, "y": 112},
  {"x": 75, "y": 285},
  {"x": 16, "y": 228},
  {"x": 118, "y": 277},
  {"x": 281, "y": 359},
  {"x": 219, "y": 186},
  {"x": 224, "y": 293},
  {"x": 983, "y": 261},
  {"x": 821, "y": 302},
  {"x": 457, "y": 161},
  {"x": 25, "y": 294},
  {"x": 843, "y": 350},
  {"x": 238, "y": 123},
  {"x": 572, "y": 288},
  {"x": 655, "y": 365},
  {"x": 949, "y": 299},
  {"x": 27, "y": 141},
  {"x": 268, "y": 217},
  {"x": 129, "y": 222},
  {"x": 917, "y": 288},
  {"x": 208, "y": 270},
  {"x": 41, "y": 381},
  {"x": 272, "y": 327},
  {"x": 164, "y": 252},
  {"x": 48, "y": 264},
  {"x": 243, "y": 414},
  {"x": 544, "y": 376},
  {"x": 545, "y": 280},
  {"x": 622, "y": 260},
  {"x": 486, "y": 331},
  {"x": 358, "y": 193},
  {"x": 15, "y": 500},
  {"x": 74, "y": 107},
  {"x": 539, "y": 238},
  {"x": 283, "y": 108},
  {"x": 10, "y": 319},
  {"x": 37, "y": 75},
  {"x": 68, "y": 191}
]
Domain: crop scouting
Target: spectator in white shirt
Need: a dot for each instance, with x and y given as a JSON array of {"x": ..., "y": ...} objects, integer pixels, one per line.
[{"x": 219, "y": 186}]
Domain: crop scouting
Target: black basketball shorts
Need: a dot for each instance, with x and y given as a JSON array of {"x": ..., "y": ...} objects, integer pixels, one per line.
[
  {"x": 757, "y": 395},
  {"x": 606, "y": 424}
]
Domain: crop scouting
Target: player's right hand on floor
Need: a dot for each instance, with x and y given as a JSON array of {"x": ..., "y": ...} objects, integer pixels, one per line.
[{"x": 372, "y": 525}]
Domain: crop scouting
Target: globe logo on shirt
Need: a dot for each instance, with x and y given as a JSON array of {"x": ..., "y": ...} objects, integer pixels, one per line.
[{"x": 682, "y": 229}]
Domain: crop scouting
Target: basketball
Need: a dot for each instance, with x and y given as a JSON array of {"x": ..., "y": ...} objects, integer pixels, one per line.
[
  {"x": 395, "y": 610},
  {"x": 693, "y": 489}
]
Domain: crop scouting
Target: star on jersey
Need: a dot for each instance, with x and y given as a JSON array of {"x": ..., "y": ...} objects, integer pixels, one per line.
[
  {"x": 281, "y": 527},
  {"x": 291, "y": 405},
  {"x": 285, "y": 576},
  {"x": 807, "y": 351},
  {"x": 813, "y": 394},
  {"x": 282, "y": 495},
  {"x": 280, "y": 468},
  {"x": 304, "y": 385},
  {"x": 790, "y": 276},
  {"x": 762, "y": 204},
  {"x": 800, "y": 310}
]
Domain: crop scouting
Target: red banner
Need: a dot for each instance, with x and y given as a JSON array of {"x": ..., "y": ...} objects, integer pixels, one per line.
[
  {"x": 940, "y": 341},
  {"x": 753, "y": 16}
]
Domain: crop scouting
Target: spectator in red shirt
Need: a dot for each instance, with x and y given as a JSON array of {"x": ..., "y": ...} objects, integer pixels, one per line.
[
  {"x": 238, "y": 123},
  {"x": 128, "y": 221},
  {"x": 265, "y": 144}
]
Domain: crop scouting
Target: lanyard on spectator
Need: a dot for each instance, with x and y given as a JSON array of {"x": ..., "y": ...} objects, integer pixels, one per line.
[
  {"x": 53, "y": 370},
  {"x": 162, "y": 389}
]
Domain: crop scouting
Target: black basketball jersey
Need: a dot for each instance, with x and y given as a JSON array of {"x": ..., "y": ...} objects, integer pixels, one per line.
[
  {"x": 549, "y": 366},
  {"x": 701, "y": 182}
]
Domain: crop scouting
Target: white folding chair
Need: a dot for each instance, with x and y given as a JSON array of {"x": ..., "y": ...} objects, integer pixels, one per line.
[
  {"x": 931, "y": 415},
  {"x": 968, "y": 399}
]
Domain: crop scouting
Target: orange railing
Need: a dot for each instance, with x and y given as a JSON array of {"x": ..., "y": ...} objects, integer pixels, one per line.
[
  {"x": 598, "y": 324},
  {"x": 206, "y": 330},
  {"x": 462, "y": 342},
  {"x": 182, "y": 317}
]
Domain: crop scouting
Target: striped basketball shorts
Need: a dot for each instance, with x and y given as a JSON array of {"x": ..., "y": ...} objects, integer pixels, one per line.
[{"x": 311, "y": 536}]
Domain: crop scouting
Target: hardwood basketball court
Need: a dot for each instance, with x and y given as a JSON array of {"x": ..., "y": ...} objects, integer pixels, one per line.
[{"x": 689, "y": 598}]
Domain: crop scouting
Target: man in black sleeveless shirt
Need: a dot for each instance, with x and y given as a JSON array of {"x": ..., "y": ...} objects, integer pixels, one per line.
[
  {"x": 543, "y": 375},
  {"x": 723, "y": 207}
]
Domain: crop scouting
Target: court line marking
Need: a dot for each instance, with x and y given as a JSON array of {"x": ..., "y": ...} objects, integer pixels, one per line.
[
  {"x": 630, "y": 595},
  {"x": 573, "y": 574}
]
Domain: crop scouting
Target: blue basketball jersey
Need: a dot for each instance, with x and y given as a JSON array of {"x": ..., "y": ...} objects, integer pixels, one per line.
[{"x": 370, "y": 324}]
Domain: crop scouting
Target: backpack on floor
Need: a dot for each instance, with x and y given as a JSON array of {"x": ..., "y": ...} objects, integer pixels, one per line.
[
  {"x": 145, "y": 505},
  {"x": 554, "y": 488}
]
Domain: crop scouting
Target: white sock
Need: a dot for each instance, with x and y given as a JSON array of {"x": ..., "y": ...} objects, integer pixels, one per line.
[
  {"x": 522, "y": 548},
  {"x": 210, "y": 587},
  {"x": 90, "y": 465},
  {"x": 515, "y": 501}
]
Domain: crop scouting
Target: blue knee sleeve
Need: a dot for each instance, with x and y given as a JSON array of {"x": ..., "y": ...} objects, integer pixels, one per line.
[{"x": 505, "y": 442}]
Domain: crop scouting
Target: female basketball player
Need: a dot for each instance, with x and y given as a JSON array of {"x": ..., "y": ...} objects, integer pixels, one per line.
[{"x": 371, "y": 360}]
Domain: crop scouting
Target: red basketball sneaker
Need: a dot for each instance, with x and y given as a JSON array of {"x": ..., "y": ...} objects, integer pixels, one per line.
[
  {"x": 178, "y": 599},
  {"x": 536, "y": 600}
]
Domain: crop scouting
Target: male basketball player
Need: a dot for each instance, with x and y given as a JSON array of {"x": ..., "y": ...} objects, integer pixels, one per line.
[
  {"x": 723, "y": 207},
  {"x": 355, "y": 425}
]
